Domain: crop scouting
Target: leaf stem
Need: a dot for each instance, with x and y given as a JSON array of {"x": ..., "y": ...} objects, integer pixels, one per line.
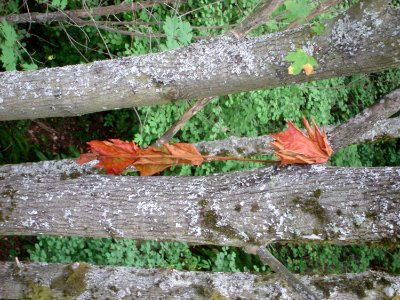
[{"x": 239, "y": 159}]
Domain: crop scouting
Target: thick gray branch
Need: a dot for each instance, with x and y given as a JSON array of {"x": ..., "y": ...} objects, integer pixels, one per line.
[
  {"x": 363, "y": 125},
  {"x": 260, "y": 145},
  {"x": 95, "y": 282},
  {"x": 363, "y": 40},
  {"x": 340, "y": 205}
]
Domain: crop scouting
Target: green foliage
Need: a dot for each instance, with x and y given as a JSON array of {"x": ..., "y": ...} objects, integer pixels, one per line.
[
  {"x": 179, "y": 33},
  {"x": 148, "y": 254},
  {"x": 7, "y": 44},
  {"x": 60, "y": 4},
  {"x": 297, "y": 10}
]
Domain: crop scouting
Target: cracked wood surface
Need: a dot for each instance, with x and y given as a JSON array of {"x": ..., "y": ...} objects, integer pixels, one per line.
[
  {"x": 296, "y": 203},
  {"x": 125, "y": 282},
  {"x": 364, "y": 39}
]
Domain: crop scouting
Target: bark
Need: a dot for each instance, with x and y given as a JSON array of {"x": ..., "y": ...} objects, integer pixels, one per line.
[
  {"x": 361, "y": 125},
  {"x": 95, "y": 282},
  {"x": 364, "y": 39},
  {"x": 297, "y": 203}
]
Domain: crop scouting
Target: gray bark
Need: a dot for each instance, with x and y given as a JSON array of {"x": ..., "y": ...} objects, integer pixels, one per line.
[
  {"x": 366, "y": 124},
  {"x": 364, "y": 39},
  {"x": 107, "y": 282},
  {"x": 260, "y": 145},
  {"x": 296, "y": 203}
]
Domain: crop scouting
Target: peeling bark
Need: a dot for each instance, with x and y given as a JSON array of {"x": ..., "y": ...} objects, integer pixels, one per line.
[
  {"x": 125, "y": 282},
  {"x": 364, "y": 39},
  {"x": 297, "y": 203}
]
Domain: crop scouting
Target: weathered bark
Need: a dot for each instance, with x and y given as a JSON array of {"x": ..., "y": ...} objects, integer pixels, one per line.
[
  {"x": 360, "y": 126},
  {"x": 107, "y": 282},
  {"x": 339, "y": 205},
  {"x": 364, "y": 39}
]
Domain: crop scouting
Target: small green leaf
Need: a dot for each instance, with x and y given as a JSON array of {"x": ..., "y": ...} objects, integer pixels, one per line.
[
  {"x": 299, "y": 59},
  {"x": 8, "y": 58},
  {"x": 9, "y": 34},
  {"x": 171, "y": 26},
  {"x": 61, "y": 4},
  {"x": 185, "y": 33}
]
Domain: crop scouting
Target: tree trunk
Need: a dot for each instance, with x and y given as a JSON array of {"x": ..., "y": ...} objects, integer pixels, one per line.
[
  {"x": 364, "y": 39},
  {"x": 296, "y": 203},
  {"x": 83, "y": 281}
]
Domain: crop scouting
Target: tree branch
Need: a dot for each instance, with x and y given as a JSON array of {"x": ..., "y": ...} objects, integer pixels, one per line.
[
  {"x": 210, "y": 68},
  {"x": 33, "y": 17},
  {"x": 303, "y": 291},
  {"x": 296, "y": 203},
  {"x": 359, "y": 127},
  {"x": 96, "y": 282}
]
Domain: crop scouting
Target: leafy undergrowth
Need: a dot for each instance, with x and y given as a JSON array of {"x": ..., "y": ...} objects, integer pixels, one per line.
[{"x": 301, "y": 258}]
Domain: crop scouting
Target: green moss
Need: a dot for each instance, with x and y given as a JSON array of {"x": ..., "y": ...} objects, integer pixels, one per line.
[
  {"x": 324, "y": 287},
  {"x": 72, "y": 175},
  {"x": 255, "y": 207},
  {"x": 238, "y": 207},
  {"x": 208, "y": 293},
  {"x": 6, "y": 212},
  {"x": 312, "y": 206},
  {"x": 72, "y": 283},
  {"x": 40, "y": 292},
  {"x": 203, "y": 203},
  {"x": 240, "y": 150},
  {"x": 316, "y": 231},
  {"x": 210, "y": 220},
  {"x": 8, "y": 192},
  {"x": 317, "y": 193}
]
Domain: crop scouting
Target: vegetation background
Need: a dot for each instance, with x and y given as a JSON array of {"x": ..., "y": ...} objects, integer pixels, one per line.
[{"x": 332, "y": 101}]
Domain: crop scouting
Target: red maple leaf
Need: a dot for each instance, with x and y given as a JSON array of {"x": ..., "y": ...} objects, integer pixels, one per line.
[
  {"x": 116, "y": 155},
  {"x": 294, "y": 147}
]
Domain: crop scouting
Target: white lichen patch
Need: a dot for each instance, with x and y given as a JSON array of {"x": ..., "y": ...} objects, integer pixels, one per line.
[{"x": 148, "y": 208}]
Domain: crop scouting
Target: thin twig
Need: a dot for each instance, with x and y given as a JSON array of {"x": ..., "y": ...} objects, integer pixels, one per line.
[
  {"x": 256, "y": 19},
  {"x": 268, "y": 259},
  {"x": 183, "y": 119},
  {"x": 32, "y": 17},
  {"x": 323, "y": 7}
]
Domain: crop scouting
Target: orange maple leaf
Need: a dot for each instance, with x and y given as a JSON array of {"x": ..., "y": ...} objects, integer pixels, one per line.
[
  {"x": 154, "y": 160},
  {"x": 113, "y": 155},
  {"x": 116, "y": 155},
  {"x": 293, "y": 147}
]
